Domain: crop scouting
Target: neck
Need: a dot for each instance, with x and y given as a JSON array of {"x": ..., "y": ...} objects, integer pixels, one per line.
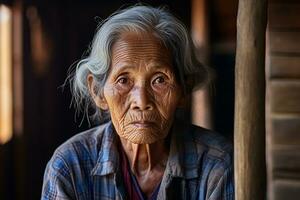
[{"x": 145, "y": 158}]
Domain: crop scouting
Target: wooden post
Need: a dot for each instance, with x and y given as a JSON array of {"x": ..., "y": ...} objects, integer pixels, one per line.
[
  {"x": 249, "y": 133},
  {"x": 201, "y": 109}
]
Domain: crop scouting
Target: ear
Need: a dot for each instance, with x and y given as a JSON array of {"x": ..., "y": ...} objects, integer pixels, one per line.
[{"x": 99, "y": 99}]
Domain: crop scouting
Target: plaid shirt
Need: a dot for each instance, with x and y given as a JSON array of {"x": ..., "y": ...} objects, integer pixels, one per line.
[{"x": 86, "y": 167}]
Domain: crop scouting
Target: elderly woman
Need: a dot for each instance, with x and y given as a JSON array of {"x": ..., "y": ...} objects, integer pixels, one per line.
[{"x": 140, "y": 69}]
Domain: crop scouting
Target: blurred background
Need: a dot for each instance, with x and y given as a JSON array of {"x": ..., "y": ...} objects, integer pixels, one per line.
[{"x": 41, "y": 39}]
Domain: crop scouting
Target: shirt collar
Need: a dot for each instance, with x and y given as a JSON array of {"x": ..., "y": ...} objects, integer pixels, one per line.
[
  {"x": 108, "y": 156},
  {"x": 183, "y": 159}
]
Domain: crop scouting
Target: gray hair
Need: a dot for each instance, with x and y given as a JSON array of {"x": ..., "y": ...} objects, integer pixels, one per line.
[{"x": 189, "y": 72}]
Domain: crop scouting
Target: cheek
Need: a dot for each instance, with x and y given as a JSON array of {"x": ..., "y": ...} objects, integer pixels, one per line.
[
  {"x": 116, "y": 101},
  {"x": 167, "y": 101}
]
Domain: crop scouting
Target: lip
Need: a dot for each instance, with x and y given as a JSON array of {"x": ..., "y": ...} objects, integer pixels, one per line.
[{"x": 143, "y": 124}]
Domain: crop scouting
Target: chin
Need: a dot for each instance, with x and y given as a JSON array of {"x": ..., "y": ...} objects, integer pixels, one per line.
[{"x": 143, "y": 137}]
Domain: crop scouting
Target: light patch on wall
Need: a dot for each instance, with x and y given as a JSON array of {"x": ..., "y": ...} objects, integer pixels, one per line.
[{"x": 6, "y": 101}]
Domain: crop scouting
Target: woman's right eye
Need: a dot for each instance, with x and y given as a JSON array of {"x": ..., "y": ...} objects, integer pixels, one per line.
[{"x": 122, "y": 80}]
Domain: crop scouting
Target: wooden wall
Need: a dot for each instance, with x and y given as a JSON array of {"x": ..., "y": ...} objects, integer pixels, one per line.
[{"x": 283, "y": 104}]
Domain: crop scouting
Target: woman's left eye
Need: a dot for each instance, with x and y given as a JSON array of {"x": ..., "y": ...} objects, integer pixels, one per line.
[{"x": 159, "y": 80}]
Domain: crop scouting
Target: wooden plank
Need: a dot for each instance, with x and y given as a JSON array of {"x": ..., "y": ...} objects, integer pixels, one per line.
[
  {"x": 282, "y": 15},
  {"x": 285, "y": 129},
  {"x": 249, "y": 117},
  {"x": 286, "y": 161},
  {"x": 225, "y": 11},
  {"x": 285, "y": 66},
  {"x": 283, "y": 1},
  {"x": 225, "y": 8},
  {"x": 285, "y": 96},
  {"x": 286, "y": 189},
  {"x": 201, "y": 108},
  {"x": 284, "y": 42}
]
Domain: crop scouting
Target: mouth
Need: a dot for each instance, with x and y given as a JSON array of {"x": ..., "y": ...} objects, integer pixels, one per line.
[{"x": 143, "y": 124}]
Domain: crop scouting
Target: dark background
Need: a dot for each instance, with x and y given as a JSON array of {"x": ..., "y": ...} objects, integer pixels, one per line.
[{"x": 49, "y": 120}]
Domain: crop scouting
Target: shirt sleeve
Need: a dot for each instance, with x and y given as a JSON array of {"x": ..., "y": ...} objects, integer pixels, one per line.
[
  {"x": 223, "y": 187},
  {"x": 57, "y": 184}
]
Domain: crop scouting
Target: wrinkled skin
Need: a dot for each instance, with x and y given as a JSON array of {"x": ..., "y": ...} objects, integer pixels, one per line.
[{"x": 141, "y": 94}]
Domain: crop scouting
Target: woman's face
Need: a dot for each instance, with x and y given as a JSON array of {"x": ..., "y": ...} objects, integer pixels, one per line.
[{"x": 141, "y": 91}]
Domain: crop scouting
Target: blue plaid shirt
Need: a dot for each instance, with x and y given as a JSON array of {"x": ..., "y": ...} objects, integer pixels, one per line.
[{"x": 86, "y": 167}]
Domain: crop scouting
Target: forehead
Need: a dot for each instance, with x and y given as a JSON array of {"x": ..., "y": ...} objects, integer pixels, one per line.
[{"x": 135, "y": 47}]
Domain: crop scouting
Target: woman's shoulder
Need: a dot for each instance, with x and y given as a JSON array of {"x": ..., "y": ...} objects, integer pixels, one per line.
[
  {"x": 209, "y": 143},
  {"x": 75, "y": 160},
  {"x": 84, "y": 145},
  {"x": 211, "y": 139}
]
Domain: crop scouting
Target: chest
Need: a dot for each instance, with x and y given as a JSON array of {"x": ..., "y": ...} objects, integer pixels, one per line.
[{"x": 111, "y": 187}]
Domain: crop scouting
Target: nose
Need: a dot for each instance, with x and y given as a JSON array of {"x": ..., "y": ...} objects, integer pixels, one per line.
[{"x": 142, "y": 99}]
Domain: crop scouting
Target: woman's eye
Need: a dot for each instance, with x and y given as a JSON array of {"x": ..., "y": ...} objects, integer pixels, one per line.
[
  {"x": 123, "y": 83},
  {"x": 122, "y": 80},
  {"x": 159, "y": 80}
]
